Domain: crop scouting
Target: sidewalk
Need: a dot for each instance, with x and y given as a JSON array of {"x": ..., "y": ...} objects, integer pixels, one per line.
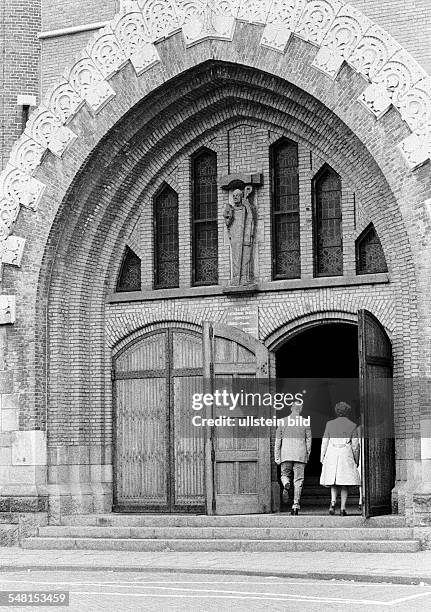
[{"x": 403, "y": 568}]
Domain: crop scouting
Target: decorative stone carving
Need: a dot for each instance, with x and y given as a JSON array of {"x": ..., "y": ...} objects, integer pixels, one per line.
[
  {"x": 134, "y": 40},
  {"x": 373, "y": 51},
  {"x": 106, "y": 52},
  {"x": 26, "y": 154},
  {"x": 205, "y": 19},
  {"x": 316, "y": 19},
  {"x": 415, "y": 106},
  {"x": 375, "y": 98},
  {"x": 7, "y": 309},
  {"x": 342, "y": 38},
  {"x": 12, "y": 250},
  {"x": 22, "y": 189},
  {"x": 416, "y": 150},
  {"x": 329, "y": 61},
  {"x": 89, "y": 84},
  {"x": 46, "y": 129},
  {"x": 398, "y": 75},
  {"x": 240, "y": 219},
  {"x": 281, "y": 21},
  {"x": 63, "y": 101},
  {"x": 161, "y": 18},
  {"x": 286, "y": 12},
  {"x": 254, "y": 11},
  {"x": 275, "y": 37},
  {"x": 9, "y": 210}
]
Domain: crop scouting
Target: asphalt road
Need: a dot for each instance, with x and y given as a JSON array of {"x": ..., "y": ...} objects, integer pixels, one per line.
[{"x": 132, "y": 591}]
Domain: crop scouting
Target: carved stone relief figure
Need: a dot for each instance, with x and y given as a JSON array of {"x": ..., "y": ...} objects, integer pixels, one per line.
[{"x": 240, "y": 218}]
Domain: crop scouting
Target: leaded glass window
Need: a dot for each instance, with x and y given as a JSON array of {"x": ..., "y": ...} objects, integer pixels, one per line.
[
  {"x": 286, "y": 254},
  {"x": 166, "y": 254},
  {"x": 205, "y": 219},
  {"x": 370, "y": 258},
  {"x": 129, "y": 278},
  {"x": 328, "y": 238}
]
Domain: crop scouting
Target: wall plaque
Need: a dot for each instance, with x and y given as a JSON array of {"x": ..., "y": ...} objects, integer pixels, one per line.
[{"x": 246, "y": 319}]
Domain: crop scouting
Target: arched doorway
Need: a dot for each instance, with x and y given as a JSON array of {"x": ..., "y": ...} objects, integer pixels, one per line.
[
  {"x": 323, "y": 360},
  {"x": 332, "y": 362}
]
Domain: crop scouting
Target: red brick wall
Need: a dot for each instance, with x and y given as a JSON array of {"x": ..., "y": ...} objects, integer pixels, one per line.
[
  {"x": 20, "y": 20},
  {"x": 58, "y": 14},
  {"x": 58, "y": 52}
]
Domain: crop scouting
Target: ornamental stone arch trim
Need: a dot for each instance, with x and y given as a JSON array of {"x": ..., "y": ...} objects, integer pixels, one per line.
[{"x": 339, "y": 33}]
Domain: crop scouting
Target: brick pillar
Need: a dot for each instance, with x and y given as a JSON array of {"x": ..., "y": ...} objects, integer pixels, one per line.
[
  {"x": 23, "y": 495},
  {"x": 20, "y": 21}
]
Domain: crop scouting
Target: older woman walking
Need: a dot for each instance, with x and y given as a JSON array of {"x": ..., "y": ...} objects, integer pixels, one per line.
[{"x": 339, "y": 456}]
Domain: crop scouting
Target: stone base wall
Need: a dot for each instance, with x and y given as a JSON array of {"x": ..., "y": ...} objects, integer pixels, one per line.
[{"x": 16, "y": 526}]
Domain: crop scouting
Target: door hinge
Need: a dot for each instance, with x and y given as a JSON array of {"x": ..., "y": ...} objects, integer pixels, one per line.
[
  {"x": 212, "y": 455},
  {"x": 112, "y": 373}
]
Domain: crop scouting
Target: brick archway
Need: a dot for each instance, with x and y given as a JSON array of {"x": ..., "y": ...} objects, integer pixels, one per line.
[{"x": 81, "y": 171}]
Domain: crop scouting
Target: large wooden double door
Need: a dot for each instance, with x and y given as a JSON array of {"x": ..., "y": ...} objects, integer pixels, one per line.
[
  {"x": 159, "y": 455},
  {"x": 163, "y": 461}
]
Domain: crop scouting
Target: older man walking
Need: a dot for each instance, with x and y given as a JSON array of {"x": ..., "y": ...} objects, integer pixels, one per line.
[{"x": 292, "y": 451}]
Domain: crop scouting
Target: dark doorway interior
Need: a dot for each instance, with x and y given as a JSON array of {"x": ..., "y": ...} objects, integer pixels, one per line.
[{"x": 323, "y": 361}]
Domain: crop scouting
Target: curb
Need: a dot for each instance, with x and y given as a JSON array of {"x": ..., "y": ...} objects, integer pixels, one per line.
[{"x": 371, "y": 578}]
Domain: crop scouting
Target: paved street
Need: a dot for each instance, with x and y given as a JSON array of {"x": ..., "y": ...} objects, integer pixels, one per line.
[
  {"x": 371, "y": 567},
  {"x": 130, "y": 591}
]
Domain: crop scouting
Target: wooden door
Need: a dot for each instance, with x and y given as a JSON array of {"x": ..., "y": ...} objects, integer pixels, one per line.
[
  {"x": 378, "y": 455},
  {"x": 238, "y": 474},
  {"x": 159, "y": 457}
]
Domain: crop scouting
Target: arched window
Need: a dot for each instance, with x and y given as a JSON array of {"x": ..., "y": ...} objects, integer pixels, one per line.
[
  {"x": 370, "y": 258},
  {"x": 129, "y": 278},
  {"x": 327, "y": 224},
  {"x": 286, "y": 254},
  {"x": 166, "y": 253},
  {"x": 205, "y": 219}
]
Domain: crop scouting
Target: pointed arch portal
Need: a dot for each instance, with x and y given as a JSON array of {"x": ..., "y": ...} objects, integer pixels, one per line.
[{"x": 156, "y": 83}]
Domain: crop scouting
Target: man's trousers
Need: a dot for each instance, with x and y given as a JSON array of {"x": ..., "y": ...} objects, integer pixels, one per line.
[{"x": 295, "y": 470}]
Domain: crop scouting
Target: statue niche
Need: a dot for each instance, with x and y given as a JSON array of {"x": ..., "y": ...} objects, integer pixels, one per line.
[{"x": 240, "y": 218}]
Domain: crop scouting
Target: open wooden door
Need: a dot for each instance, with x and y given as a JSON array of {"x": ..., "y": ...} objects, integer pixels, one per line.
[
  {"x": 377, "y": 454},
  {"x": 238, "y": 474}
]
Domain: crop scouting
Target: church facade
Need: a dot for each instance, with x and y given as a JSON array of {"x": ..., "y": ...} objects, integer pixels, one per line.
[{"x": 212, "y": 189}]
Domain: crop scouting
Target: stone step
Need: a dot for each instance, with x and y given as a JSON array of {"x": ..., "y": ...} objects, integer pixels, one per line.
[
  {"x": 217, "y": 545},
  {"x": 242, "y": 520},
  {"x": 230, "y": 533}
]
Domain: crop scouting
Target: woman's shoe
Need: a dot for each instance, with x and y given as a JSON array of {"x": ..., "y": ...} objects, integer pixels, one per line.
[
  {"x": 294, "y": 511},
  {"x": 332, "y": 508},
  {"x": 343, "y": 513}
]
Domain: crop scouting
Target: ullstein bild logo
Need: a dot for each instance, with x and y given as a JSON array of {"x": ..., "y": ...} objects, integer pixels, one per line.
[{"x": 250, "y": 421}]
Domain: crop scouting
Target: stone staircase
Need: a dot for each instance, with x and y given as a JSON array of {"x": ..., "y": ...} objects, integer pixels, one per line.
[
  {"x": 245, "y": 533},
  {"x": 314, "y": 495}
]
